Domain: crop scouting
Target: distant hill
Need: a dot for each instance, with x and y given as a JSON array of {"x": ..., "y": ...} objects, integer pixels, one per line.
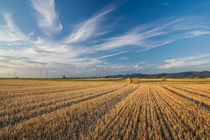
[{"x": 190, "y": 74}]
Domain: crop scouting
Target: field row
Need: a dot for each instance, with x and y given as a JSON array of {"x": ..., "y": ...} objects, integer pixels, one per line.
[
  {"x": 106, "y": 110},
  {"x": 153, "y": 112}
]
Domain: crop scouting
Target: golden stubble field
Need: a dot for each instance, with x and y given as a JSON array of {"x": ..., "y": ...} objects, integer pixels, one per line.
[{"x": 38, "y": 109}]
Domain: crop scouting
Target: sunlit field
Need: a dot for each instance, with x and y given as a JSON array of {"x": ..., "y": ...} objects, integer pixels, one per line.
[{"x": 100, "y": 109}]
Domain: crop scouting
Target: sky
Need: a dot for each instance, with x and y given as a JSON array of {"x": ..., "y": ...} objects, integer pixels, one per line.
[{"x": 83, "y": 38}]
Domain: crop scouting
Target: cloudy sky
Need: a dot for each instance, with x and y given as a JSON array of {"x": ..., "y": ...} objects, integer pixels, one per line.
[{"x": 97, "y": 38}]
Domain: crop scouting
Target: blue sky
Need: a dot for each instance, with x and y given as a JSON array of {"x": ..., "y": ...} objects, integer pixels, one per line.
[{"x": 95, "y": 38}]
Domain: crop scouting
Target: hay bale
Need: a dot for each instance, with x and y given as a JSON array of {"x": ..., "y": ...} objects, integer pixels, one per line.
[
  {"x": 136, "y": 81},
  {"x": 128, "y": 80}
]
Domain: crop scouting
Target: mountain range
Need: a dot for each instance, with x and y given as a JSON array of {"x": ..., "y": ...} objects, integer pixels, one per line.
[{"x": 189, "y": 74}]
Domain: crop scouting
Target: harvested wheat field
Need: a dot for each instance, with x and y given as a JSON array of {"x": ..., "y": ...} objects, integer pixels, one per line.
[{"x": 38, "y": 109}]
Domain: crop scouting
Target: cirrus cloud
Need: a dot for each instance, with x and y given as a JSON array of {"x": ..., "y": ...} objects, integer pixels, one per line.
[
  {"x": 47, "y": 17},
  {"x": 74, "y": 53},
  {"x": 186, "y": 61}
]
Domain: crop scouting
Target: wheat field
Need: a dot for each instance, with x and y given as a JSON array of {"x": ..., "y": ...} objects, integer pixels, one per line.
[{"x": 38, "y": 109}]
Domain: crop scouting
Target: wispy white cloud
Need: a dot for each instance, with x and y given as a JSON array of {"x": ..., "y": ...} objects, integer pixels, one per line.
[
  {"x": 153, "y": 35},
  {"x": 88, "y": 29},
  {"x": 47, "y": 17},
  {"x": 111, "y": 54},
  {"x": 12, "y": 61},
  {"x": 119, "y": 68},
  {"x": 186, "y": 61},
  {"x": 71, "y": 54},
  {"x": 9, "y": 32},
  {"x": 25, "y": 52},
  {"x": 197, "y": 33},
  {"x": 130, "y": 39}
]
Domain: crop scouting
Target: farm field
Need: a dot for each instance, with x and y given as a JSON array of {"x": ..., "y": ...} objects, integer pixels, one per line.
[{"x": 38, "y": 109}]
